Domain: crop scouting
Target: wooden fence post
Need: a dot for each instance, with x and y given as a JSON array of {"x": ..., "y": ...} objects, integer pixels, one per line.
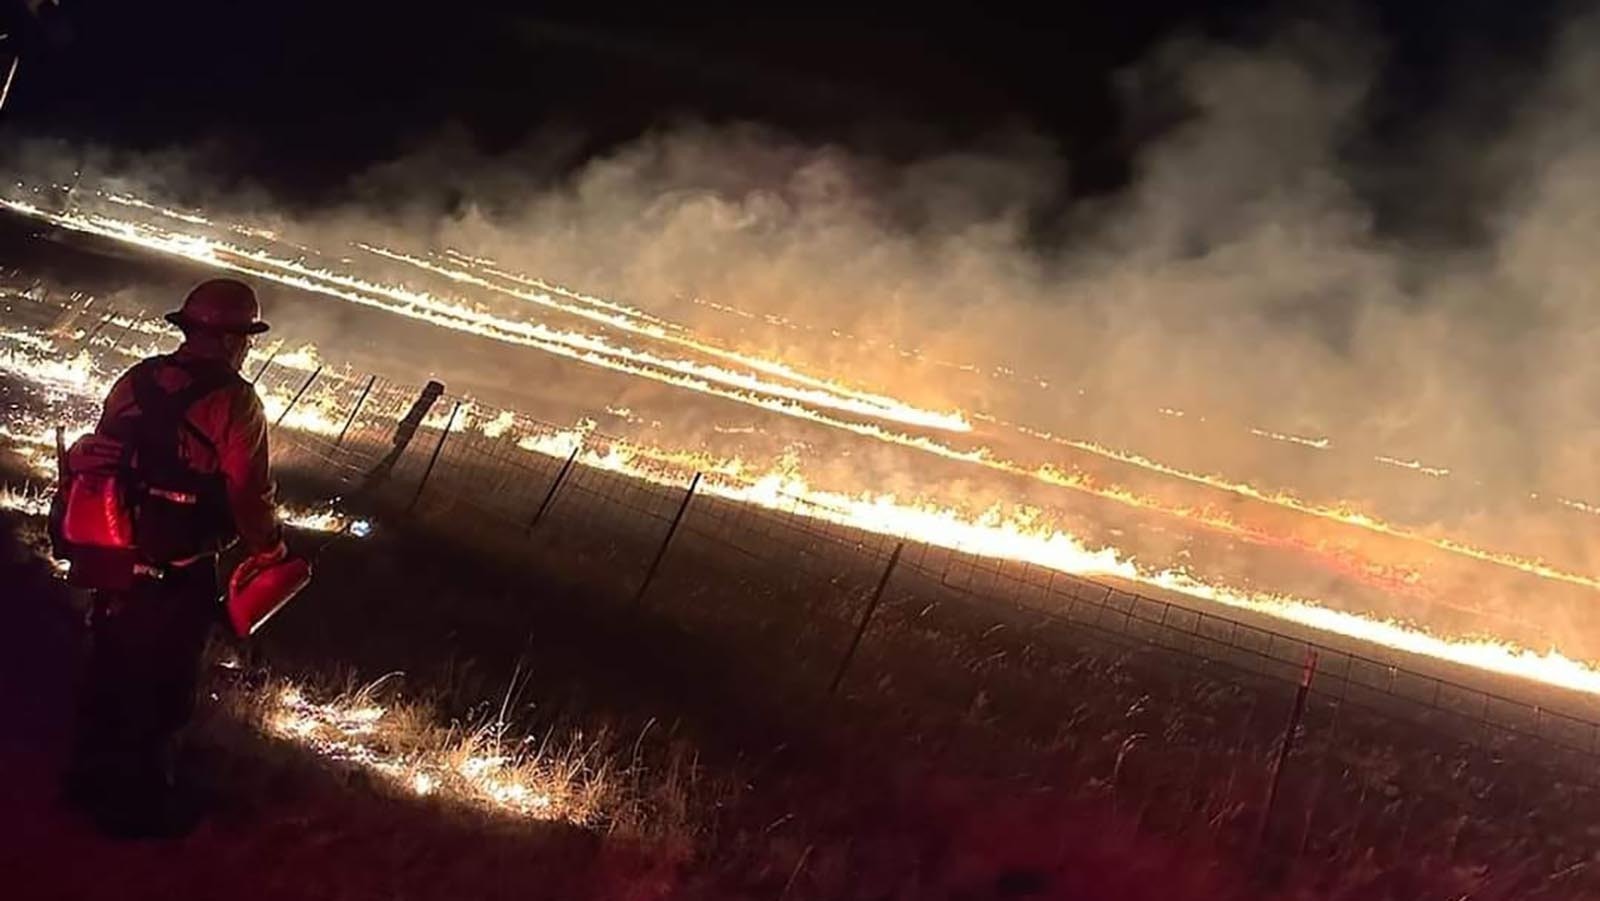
[
  {"x": 406, "y": 430},
  {"x": 1295, "y": 715}
]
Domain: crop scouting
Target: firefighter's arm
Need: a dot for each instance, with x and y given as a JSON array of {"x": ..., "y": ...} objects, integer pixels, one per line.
[
  {"x": 242, "y": 458},
  {"x": 118, "y": 399}
]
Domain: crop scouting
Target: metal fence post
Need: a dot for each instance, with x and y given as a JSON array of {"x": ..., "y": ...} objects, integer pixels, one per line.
[
  {"x": 555, "y": 486},
  {"x": 866, "y": 618},
  {"x": 116, "y": 343},
  {"x": 256, "y": 379},
  {"x": 449, "y": 424},
  {"x": 11, "y": 76},
  {"x": 1295, "y": 715},
  {"x": 297, "y": 395},
  {"x": 661, "y": 552},
  {"x": 89, "y": 336},
  {"x": 360, "y": 401}
]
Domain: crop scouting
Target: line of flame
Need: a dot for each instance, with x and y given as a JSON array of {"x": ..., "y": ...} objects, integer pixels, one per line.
[
  {"x": 1019, "y": 536},
  {"x": 425, "y": 307},
  {"x": 1343, "y": 514},
  {"x": 420, "y": 305},
  {"x": 594, "y": 351},
  {"x": 628, "y": 319},
  {"x": 874, "y": 405},
  {"x": 358, "y": 732},
  {"x": 1413, "y": 465},
  {"x": 1316, "y": 443}
]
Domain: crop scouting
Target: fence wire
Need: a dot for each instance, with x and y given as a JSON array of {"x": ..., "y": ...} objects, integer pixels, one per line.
[{"x": 1171, "y": 711}]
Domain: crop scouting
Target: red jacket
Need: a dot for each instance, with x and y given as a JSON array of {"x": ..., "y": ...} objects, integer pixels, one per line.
[{"x": 232, "y": 419}]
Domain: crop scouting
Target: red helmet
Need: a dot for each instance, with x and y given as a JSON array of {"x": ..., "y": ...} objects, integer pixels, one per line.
[{"x": 220, "y": 305}]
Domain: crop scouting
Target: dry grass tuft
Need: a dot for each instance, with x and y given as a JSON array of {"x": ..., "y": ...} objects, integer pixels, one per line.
[{"x": 597, "y": 780}]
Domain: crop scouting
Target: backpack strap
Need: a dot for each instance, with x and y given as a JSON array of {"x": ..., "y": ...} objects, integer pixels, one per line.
[{"x": 162, "y": 413}]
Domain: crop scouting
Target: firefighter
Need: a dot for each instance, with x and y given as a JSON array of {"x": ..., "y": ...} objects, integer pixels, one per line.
[{"x": 201, "y": 440}]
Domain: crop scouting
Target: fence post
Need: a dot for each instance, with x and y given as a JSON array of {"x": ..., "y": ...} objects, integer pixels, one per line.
[
  {"x": 449, "y": 424},
  {"x": 5, "y": 90},
  {"x": 1295, "y": 714},
  {"x": 555, "y": 486},
  {"x": 105, "y": 320},
  {"x": 866, "y": 618},
  {"x": 360, "y": 401},
  {"x": 406, "y": 430},
  {"x": 256, "y": 379},
  {"x": 661, "y": 552},
  {"x": 297, "y": 395},
  {"x": 70, "y": 314},
  {"x": 116, "y": 343}
]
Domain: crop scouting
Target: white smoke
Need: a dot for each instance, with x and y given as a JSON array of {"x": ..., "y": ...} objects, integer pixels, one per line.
[{"x": 1240, "y": 278}]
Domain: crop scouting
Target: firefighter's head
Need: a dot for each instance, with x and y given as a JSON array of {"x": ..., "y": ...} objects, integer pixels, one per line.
[{"x": 219, "y": 318}]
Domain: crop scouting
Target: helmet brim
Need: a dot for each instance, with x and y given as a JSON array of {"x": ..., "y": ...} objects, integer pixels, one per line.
[{"x": 252, "y": 328}]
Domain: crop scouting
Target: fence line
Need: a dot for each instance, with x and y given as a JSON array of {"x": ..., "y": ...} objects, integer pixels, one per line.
[
  {"x": 474, "y": 460},
  {"x": 1012, "y": 626},
  {"x": 373, "y": 403}
]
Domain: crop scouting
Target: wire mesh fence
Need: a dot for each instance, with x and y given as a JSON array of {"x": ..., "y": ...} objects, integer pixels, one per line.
[{"x": 1175, "y": 712}]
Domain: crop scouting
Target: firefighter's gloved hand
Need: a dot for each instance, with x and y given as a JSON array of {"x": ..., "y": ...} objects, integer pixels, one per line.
[{"x": 253, "y": 565}]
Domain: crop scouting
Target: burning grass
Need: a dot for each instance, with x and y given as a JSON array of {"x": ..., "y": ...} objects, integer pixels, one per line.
[
  {"x": 1167, "y": 747},
  {"x": 323, "y": 518},
  {"x": 774, "y": 387},
  {"x": 1018, "y": 534},
  {"x": 596, "y": 779},
  {"x": 26, "y": 500},
  {"x": 1153, "y": 777}
]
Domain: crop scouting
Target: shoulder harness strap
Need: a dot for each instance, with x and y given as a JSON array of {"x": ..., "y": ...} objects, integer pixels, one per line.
[{"x": 160, "y": 411}]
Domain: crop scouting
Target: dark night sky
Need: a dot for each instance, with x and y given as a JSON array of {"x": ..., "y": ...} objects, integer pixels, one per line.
[{"x": 300, "y": 94}]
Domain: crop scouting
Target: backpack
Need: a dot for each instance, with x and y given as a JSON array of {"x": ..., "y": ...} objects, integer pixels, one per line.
[{"x": 126, "y": 499}]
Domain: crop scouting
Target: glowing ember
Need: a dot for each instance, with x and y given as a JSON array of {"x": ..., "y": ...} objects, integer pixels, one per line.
[{"x": 323, "y": 520}]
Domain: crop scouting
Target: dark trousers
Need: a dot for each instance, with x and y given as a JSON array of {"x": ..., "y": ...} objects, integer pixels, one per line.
[{"x": 139, "y": 690}]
